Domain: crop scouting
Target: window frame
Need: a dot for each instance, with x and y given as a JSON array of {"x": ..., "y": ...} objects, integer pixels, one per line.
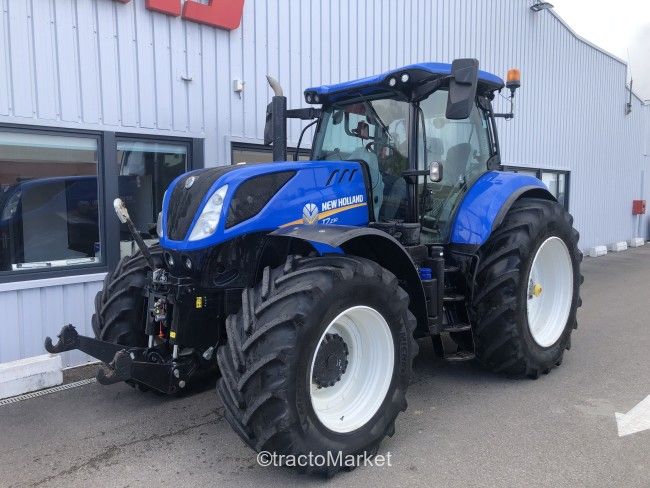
[
  {"x": 250, "y": 146},
  {"x": 538, "y": 174},
  {"x": 107, "y": 191},
  {"x": 81, "y": 269}
]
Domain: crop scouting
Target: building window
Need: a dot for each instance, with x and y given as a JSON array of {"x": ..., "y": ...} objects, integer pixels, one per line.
[
  {"x": 57, "y": 188},
  {"x": 49, "y": 211},
  {"x": 257, "y": 153},
  {"x": 556, "y": 181},
  {"x": 146, "y": 169}
]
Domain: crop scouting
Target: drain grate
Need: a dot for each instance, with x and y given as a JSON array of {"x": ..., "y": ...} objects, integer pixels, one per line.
[{"x": 39, "y": 393}]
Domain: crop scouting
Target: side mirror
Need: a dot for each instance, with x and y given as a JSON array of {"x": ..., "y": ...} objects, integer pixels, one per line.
[
  {"x": 462, "y": 88},
  {"x": 435, "y": 172}
]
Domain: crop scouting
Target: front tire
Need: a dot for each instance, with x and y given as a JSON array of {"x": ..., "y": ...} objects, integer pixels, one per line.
[
  {"x": 527, "y": 290},
  {"x": 289, "y": 365},
  {"x": 120, "y": 305}
]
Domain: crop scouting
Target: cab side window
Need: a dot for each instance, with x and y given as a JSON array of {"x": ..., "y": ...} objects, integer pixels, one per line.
[{"x": 462, "y": 146}]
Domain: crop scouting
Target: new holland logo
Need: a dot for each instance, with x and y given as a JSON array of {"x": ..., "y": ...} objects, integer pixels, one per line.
[
  {"x": 327, "y": 213},
  {"x": 310, "y": 214}
]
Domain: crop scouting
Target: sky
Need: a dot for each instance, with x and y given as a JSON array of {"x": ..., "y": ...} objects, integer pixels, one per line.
[{"x": 621, "y": 27}]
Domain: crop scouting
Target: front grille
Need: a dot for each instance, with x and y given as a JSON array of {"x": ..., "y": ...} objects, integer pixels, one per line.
[{"x": 253, "y": 195}]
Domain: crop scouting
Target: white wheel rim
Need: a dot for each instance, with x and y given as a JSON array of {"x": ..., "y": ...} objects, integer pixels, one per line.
[
  {"x": 358, "y": 395},
  {"x": 550, "y": 291}
]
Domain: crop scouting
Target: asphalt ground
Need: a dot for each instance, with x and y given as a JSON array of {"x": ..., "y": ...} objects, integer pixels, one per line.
[{"x": 464, "y": 426}]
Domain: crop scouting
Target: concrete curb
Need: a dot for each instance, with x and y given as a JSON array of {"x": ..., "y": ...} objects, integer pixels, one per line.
[
  {"x": 618, "y": 246},
  {"x": 597, "y": 251},
  {"x": 636, "y": 242},
  {"x": 30, "y": 374}
]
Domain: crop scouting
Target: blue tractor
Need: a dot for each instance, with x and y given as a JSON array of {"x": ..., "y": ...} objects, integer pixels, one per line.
[{"x": 305, "y": 285}]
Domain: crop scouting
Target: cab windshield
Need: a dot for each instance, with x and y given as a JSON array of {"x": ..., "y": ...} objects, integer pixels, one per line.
[{"x": 376, "y": 132}]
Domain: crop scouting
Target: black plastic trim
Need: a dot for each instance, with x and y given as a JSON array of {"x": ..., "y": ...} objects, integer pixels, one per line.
[{"x": 529, "y": 190}]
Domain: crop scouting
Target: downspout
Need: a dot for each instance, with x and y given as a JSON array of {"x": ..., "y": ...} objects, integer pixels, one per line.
[{"x": 645, "y": 112}]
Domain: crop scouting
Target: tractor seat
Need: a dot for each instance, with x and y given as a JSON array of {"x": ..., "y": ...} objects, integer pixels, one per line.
[
  {"x": 435, "y": 149},
  {"x": 456, "y": 163}
]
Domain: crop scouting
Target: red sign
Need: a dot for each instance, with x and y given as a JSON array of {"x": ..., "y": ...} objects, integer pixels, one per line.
[
  {"x": 224, "y": 14},
  {"x": 638, "y": 207}
]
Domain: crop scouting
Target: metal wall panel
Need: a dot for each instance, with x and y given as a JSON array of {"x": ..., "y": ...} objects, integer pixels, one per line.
[
  {"x": 32, "y": 313},
  {"x": 101, "y": 64}
]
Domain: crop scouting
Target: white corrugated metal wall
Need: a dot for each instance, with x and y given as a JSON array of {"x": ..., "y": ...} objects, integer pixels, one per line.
[
  {"x": 30, "y": 313},
  {"x": 100, "y": 64}
]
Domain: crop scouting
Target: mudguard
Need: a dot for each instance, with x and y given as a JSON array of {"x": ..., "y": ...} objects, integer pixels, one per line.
[
  {"x": 370, "y": 243},
  {"x": 487, "y": 202}
]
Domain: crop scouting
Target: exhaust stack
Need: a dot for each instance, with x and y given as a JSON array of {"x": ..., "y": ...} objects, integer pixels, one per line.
[{"x": 275, "y": 130}]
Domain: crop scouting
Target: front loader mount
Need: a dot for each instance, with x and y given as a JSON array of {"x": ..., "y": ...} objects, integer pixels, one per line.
[{"x": 135, "y": 365}]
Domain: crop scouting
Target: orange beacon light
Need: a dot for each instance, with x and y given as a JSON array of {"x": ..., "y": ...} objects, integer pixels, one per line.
[{"x": 513, "y": 79}]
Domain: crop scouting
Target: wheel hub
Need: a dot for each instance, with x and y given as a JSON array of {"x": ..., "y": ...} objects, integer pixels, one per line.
[
  {"x": 331, "y": 361},
  {"x": 535, "y": 290}
]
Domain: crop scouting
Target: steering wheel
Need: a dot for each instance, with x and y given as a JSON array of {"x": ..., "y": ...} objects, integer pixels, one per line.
[{"x": 370, "y": 147}]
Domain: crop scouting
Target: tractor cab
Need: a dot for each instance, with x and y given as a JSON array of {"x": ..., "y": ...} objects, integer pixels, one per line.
[{"x": 424, "y": 137}]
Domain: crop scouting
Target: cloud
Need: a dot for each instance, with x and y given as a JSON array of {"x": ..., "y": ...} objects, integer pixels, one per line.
[{"x": 640, "y": 61}]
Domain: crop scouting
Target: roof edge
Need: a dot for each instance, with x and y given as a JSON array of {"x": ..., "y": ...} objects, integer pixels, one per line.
[
  {"x": 579, "y": 38},
  {"x": 583, "y": 40}
]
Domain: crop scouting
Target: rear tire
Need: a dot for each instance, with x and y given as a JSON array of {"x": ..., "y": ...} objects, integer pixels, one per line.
[
  {"x": 267, "y": 366},
  {"x": 506, "y": 325}
]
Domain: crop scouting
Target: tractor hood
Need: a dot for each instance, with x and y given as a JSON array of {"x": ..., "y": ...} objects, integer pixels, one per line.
[{"x": 208, "y": 207}]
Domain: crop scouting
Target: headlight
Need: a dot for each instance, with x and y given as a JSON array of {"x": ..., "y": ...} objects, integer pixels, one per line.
[{"x": 209, "y": 219}]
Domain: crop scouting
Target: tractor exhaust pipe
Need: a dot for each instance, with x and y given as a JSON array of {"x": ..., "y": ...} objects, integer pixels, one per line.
[
  {"x": 275, "y": 130},
  {"x": 275, "y": 86}
]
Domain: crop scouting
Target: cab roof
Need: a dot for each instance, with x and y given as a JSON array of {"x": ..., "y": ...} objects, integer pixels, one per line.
[{"x": 378, "y": 84}]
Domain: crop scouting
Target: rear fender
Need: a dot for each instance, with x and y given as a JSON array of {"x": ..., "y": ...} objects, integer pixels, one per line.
[
  {"x": 487, "y": 202},
  {"x": 369, "y": 243}
]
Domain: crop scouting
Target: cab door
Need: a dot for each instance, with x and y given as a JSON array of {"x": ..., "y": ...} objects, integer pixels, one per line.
[{"x": 464, "y": 149}]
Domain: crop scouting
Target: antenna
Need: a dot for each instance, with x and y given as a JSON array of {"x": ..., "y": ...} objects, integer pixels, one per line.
[{"x": 628, "y": 105}]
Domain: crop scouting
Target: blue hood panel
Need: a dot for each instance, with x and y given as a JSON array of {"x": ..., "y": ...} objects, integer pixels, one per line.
[{"x": 321, "y": 192}]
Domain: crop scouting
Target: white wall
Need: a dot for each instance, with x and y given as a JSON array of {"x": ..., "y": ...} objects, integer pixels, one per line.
[
  {"x": 100, "y": 64},
  {"x": 30, "y": 311}
]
